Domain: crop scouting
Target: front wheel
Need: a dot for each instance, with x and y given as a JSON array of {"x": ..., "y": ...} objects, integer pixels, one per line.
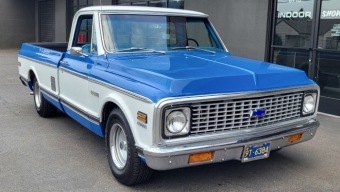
[
  {"x": 43, "y": 107},
  {"x": 125, "y": 164}
]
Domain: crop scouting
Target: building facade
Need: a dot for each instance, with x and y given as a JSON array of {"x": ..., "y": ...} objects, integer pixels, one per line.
[{"x": 303, "y": 34}]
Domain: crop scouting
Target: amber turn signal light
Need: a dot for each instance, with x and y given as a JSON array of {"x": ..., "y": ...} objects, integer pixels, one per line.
[
  {"x": 293, "y": 138},
  {"x": 142, "y": 117},
  {"x": 201, "y": 157}
]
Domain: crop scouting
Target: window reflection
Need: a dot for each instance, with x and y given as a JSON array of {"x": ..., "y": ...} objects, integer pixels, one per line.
[
  {"x": 328, "y": 74},
  {"x": 157, "y": 3},
  {"x": 178, "y": 4},
  {"x": 329, "y": 29},
  {"x": 294, "y": 23},
  {"x": 296, "y": 58}
]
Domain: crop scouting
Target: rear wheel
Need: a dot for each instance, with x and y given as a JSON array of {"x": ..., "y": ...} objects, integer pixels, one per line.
[
  {"x": 43, "y": 107},
  {"x": 125, "y": 164}
]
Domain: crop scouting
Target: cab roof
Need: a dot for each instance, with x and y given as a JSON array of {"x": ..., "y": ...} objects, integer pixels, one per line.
[{"x": 144, "y": 10}]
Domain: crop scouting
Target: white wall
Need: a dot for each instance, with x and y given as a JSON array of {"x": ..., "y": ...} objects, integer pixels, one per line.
[{"x": 242, "y": 24}]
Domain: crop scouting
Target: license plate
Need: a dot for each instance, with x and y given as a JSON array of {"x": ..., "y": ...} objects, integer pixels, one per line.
[{"x": 256, "y": 151}]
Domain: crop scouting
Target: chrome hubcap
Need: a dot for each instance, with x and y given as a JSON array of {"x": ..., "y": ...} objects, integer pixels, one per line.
[
  {"x": 37, "y": 95},
  {"x": 118, "y": 146}
]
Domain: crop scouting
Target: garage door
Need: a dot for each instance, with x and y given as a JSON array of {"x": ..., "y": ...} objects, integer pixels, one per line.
[{"x": 46, "y": 21}]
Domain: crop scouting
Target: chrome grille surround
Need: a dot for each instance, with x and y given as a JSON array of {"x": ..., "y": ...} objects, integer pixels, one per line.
[
  {"x": 232, "y": 115},
  {"x": 160, "y": 107}
]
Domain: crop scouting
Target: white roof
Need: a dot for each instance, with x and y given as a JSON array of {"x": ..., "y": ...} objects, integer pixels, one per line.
[{"x": 144, "y": 10}]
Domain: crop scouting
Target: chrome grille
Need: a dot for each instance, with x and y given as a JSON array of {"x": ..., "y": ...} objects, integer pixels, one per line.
[{"x": 222, "y": 116}]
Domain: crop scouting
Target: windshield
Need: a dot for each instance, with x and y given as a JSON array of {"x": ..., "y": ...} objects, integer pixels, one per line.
[{"x": 127, "y": 33}]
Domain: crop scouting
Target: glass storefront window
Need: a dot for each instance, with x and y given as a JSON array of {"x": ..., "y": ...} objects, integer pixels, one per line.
[
  {"x": 328, "y": 56},
  {"x": 296, "y": 58},
  {"x": 178, "y": 4},
  {"x": 157, "y": 3},
  {"x": 143, "y": 4},
  {"x": 294, "y": 23},
  {"x": 328, "y": 74},
  {"x": 329, "y": 29}
]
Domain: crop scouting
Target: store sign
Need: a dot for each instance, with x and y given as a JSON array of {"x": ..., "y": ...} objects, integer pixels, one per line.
[
  {"x": 300, "y": 14},
  {"x": 335, "y": 30},
  {"x": 330, "y": 14}
]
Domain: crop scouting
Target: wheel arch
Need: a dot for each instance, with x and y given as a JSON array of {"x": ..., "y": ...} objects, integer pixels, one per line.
[
  {"x": 108, "y": 106},
  {"x": 31, "y": 76}
]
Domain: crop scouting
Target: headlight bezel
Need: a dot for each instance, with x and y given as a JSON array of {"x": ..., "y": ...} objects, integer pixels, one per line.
[
  {"x": 314, "y": 94},
  {"x": 185, "y": 131}
]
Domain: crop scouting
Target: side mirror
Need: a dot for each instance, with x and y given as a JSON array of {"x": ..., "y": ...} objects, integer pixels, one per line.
[{"x": 77, "y": 51}]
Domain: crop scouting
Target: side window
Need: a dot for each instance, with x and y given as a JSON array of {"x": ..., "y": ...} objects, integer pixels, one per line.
[
  {"x": 94, "y": 48},
  {"x": 198, "y": 30},
  {"x": 172, "y": 40},
  {"x": 83, "y": 33}
]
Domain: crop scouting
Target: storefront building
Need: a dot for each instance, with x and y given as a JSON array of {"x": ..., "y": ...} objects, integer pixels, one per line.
[{"x": 303, "y": 34}]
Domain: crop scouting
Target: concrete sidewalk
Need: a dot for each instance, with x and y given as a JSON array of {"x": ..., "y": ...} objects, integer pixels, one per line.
[{"x": 58, "y": 154}]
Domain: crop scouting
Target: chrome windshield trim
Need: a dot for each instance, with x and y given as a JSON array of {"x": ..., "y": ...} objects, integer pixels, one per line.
[
  {"x": 121, "y": 90},
  {"x": 159, "y": 141},
  {"x": 218, "y": 36}
]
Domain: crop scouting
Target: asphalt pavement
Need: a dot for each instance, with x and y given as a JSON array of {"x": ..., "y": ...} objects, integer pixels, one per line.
[{"x": 58, "y": 154}]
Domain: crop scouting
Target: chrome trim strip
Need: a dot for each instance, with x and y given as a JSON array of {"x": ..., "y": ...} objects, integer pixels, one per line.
[
  {"x": 73, "y": 73},
  {"x": 123, "y": 91},
  {"x": 224, "y": 150},
  {"x": 40, "y": 62},
  {"x": 231, "y": 142},
  {"x": 52, "y": 95},
  {"x": 157, "y": 137},
  {"x": 112, "y": 87},
  {"x": 86, "y": 115},
  {"x": 142, "y": 13},
  {"x": 218, "y": 36}
]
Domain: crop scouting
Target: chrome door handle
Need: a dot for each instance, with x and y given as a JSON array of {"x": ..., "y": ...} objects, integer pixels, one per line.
[{"x": 63, "y": 62}]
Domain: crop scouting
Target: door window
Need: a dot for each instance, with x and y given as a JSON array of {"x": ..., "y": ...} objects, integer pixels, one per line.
[{"x": 84, "y": 31}]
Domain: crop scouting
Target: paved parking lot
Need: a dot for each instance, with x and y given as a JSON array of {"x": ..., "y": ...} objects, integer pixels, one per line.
[{"x": 58, "y": 154}]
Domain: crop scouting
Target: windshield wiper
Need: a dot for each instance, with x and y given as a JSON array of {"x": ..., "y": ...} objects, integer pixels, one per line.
[
  {"x": 141, "y": 49},
  {"x": 190, "y": 47}
]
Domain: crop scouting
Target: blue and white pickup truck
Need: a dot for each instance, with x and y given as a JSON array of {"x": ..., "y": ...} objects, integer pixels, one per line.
[{"x": 160, "y": 86}]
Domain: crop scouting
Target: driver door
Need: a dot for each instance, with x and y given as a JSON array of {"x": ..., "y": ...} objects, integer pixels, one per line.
[{"x": 74, "y": 72}]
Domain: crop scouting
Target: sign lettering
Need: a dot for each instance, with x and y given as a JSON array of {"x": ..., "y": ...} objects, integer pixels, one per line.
[
  {"x": 296, "y": 14},
  {"x": 330, "y": 14}
]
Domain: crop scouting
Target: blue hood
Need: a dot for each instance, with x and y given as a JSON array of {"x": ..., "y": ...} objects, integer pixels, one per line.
[{"x": 184, "y": 73}]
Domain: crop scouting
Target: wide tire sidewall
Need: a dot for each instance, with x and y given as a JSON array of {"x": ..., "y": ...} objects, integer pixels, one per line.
[{"x": 123, "y": 175}]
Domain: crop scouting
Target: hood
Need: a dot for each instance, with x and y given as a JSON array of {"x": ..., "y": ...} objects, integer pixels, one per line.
[{"x": 185, "y": 74}]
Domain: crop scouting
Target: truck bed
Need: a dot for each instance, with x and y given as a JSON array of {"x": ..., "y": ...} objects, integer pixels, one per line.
[{"x": 60, "y": 46}]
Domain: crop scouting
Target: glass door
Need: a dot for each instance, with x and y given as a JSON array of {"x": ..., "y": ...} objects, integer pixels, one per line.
[
  {"x": 306, "y": 36},
  {"x": 292, "y": 38},
  {"x": 328, "y": 57}
]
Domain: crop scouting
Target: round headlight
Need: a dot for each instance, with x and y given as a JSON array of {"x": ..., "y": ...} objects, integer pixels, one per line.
[
  {"x": 176, "y": 121},
  {"x": 308, "y": 104}
]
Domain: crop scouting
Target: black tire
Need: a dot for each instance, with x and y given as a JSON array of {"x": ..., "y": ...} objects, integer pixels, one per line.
[
  {"x": 43, "y": 107},
  {"x": 134, "y": 171}
]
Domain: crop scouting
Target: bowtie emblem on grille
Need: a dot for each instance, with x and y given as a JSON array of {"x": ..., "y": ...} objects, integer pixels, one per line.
[{"x": 258, "y": 112}]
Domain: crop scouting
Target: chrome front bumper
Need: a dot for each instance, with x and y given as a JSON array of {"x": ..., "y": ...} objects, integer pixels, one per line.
[{"x": 165, "y": 158}]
